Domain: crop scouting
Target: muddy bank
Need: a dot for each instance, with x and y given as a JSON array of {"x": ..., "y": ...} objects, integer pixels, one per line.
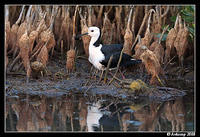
[
  {"x": 57, "y": 82},
  {"x": 44, "y": 37}
]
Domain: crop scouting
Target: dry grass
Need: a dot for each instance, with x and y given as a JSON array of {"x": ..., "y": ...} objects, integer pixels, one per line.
[
  {"x": 70, "y": 60},
  {"x": 24, "y": 53},
  {"x": 171, "y": 37},
  {"x": 53, "y": 24},
  {"x": 43, "y": 56},
  {"x": 181, "y": 41},
  {"x": 152, "y": 65},
  {"x": 106, "y": 30},
  {"x": 128, "y": 37},
  {"x": 84, "y": 29},
  {"x": 13, "y": 36}
]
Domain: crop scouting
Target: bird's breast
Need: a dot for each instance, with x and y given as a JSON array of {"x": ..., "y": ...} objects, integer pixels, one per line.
[{"x": 95, "y": 54}]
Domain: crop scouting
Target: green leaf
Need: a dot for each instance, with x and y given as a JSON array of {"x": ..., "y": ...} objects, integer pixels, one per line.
[
  {"x": 193, "y": 25},
  {"x": 186, "y": 13},
  {"x": 190, "y": 8},
  {"x": 193, "y": 8},
  {"x": 191, "y": 36},
  {"x": 163, "y": 38},
  {"x": 191, "y": 30},
  {"x": 188, "y": 19},
  {"x": 173, "y": 18}
]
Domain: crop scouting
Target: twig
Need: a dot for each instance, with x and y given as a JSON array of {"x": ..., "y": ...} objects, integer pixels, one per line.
[
  {"x": 14, "y": 62},
  {"x": 109, "y": 10},
  {"x": 101, "y": 76},
  {"x": 89, "y": 15},
  {"x": 107, "y": 68},
  {"x": 20, "y": 16},
  {"x": 106, "y": 107},
  {"x": 89, "y": 88},
  {"x": 116, "y": 78},
  {"x": 129, "y": 18},
  {"x": 116, "y": 85},
  {"x": 169, "y": 62},
  {"x": 118, "y": 64},
  {"x": 141, "y": 28},
  {"x": 112, "y": 103},
  {"x": 11, "y": 73},
  {"x": 99, "y": 16},
  {"x": 160, "y": 80},
  {"x": 61, "y": 49},
  {"x": 165, "y": 13},
  {"x": 164, "y": 30},
  {"x": 121, "y": 81},
  {"x": 72, "y": 125},
  {"x": 133, "y": 24},
  {"x": 82, "y": 57}
]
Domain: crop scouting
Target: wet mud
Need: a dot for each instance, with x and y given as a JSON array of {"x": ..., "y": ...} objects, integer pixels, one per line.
[
  {"x": 58, "y": 82},
  {"x": 65, "y": 102}
]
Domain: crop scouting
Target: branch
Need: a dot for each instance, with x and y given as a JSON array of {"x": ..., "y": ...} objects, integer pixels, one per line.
[
  {"x": 108, "y": 66},
  {"x": 129, "y": 18},
  {"x": 20, "y": 16},
  {"x": 118, "y": 64},
  {"x": 165, "y": 13},
  {"x": 141, "y": 28},
  {"x": 164, "y": 30}
]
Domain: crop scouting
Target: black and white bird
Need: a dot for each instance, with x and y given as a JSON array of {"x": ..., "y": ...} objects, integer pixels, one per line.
[{"x": 100, "y": 54}]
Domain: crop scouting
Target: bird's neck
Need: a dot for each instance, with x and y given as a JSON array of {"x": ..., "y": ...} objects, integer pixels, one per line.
[{"x": 95, "y": 41}]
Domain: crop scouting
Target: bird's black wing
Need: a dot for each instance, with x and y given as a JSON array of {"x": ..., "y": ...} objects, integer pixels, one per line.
[
  {"x": 126, "y": 60},
  {"x": 108, "y": 49},
  {"x": 115, "y": 59}
]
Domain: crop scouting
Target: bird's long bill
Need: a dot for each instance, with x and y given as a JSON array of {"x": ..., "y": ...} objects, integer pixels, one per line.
[{"x": 82, "y": 35}]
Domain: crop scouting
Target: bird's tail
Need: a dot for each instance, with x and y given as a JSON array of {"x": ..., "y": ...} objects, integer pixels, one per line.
[
  {"x": 136, "y": 61},
  {"x": 132, "y": 62}
]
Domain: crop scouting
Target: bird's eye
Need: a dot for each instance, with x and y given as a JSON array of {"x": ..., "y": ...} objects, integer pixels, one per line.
[{"x": 92, "y": 30}]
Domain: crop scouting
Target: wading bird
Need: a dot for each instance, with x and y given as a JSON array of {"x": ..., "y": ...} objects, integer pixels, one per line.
[{"x": 100, "y": 54}]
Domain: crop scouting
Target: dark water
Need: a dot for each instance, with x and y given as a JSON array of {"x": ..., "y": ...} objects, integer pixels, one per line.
[{"x": 78, "y": 112}]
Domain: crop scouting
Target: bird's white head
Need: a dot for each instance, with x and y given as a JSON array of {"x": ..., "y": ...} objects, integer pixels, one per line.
[{"x": 93, "y": 31}]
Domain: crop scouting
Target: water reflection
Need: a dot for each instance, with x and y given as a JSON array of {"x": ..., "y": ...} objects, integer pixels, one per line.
[
  {"x": 174, "y": 111},
  {"x": 83, "y": 111},
  {"x": 93, "y": 116},
  {"x": 76, "y": 112}
]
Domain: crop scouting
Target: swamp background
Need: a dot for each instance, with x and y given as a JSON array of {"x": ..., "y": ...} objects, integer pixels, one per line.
[{"x": 43, "y": 59}]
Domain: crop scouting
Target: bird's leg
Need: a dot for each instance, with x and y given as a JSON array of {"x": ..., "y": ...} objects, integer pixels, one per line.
[
  {"x": 41, "y": 72},
  {"x": 181, "y": 61},
  {"x": 110, "y": 71},
  {"x": 91, "y": 73},
  {"x": 27, "y": 79},
  {"x": 101, "y": 75},
  {"x": 95, "y": 74},
  {"x": 91, "y": 69}
]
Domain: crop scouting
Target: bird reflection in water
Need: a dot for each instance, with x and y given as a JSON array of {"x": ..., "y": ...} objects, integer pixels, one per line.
[{"x": 78, "y": 113}]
